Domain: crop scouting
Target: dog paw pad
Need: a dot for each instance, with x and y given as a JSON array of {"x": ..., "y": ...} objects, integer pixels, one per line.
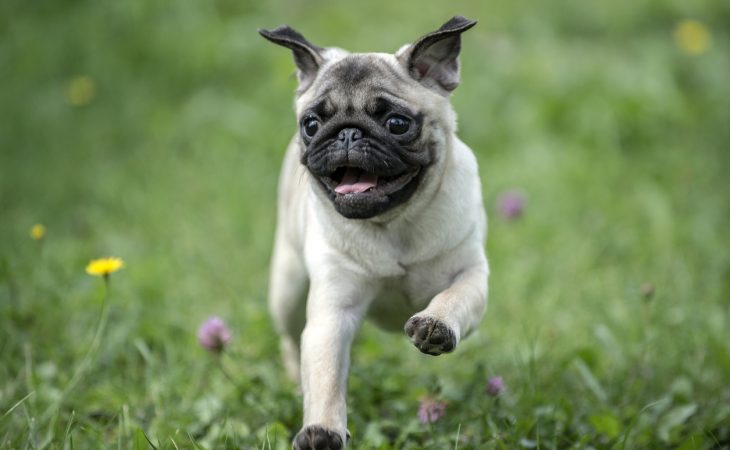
[
  {"x": 315, "y": 437},
  {"x": 430, "y": 335}
]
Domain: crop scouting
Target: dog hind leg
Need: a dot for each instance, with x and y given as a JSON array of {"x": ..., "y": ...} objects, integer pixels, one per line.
[{"x": 287, "y": 299}]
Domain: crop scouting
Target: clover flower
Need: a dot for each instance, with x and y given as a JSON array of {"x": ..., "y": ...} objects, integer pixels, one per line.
[
  {"x": 214, "y": 335},
  {"x": 430, "y": 410},
  {"x": 102, "y": 267},
  {"x": 495, "y": 386},
  {"x": 37, "y": 232},
  {"x": 511, "y": 204}
]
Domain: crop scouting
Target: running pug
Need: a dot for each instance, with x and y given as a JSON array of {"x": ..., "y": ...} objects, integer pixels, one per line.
[{"x": 380, "y": 214}]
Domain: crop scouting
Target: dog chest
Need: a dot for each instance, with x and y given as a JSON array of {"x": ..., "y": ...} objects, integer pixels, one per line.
[{"x": 400, "y": 297}]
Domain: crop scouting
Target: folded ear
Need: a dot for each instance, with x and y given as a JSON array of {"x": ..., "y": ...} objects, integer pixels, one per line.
[
  {"x": 433, "y": 59},
  {"x": 307, "y": 56}
]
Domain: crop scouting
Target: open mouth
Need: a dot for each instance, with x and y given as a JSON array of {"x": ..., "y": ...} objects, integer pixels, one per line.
[{"x": 354, "y": 181}]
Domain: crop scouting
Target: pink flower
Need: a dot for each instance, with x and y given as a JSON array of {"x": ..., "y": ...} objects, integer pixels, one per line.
[
  {"x": 511, "y": 204},
  {"x": 213, "y": 335},
  {"x": 430, "y": 410},
  {"x": 495, "y": 386}
]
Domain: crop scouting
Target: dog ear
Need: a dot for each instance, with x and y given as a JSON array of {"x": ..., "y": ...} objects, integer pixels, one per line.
[
  {"x": 433, "y": 60},
  {"x": 307, "y": 56}
]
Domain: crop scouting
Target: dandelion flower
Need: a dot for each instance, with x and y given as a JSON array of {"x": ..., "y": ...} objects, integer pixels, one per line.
[
  {"x": 37, "y": 232},
  {"x": 495, "y": 386},
  {"x": 214, "y": 335},
  {"x": 511, "y": 204},
  {"x": 102, "y": 267},
  {"x": 80, "y": 90},
  {"x": 692, "y": 37},
  {"x": 430, "y": 410}
]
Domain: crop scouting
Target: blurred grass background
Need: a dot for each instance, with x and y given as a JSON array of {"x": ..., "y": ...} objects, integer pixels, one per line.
[{"x": 153, "y": 131}]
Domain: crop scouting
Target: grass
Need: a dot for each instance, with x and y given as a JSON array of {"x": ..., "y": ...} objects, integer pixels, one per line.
[{"x": 153, "y": 131}]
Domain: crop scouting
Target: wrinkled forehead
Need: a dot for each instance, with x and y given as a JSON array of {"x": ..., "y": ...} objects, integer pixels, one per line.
[{"x": 356, "y": 81}]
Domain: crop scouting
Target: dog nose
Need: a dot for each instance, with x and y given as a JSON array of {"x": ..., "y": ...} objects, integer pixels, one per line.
[{"x": 348, "y": 136}]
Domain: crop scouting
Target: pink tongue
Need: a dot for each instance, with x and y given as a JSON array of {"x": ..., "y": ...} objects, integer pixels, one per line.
[{"x": 356, "y": 180}]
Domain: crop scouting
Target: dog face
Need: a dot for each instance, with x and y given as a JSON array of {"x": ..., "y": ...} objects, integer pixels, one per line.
[
  {"x": 362, "y": 141},
  {"x": 372, "y": 125}
]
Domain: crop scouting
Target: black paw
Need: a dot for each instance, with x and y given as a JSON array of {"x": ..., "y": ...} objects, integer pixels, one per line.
[
  {"x": 429, "y": 335},
  {"x": 315, "y": 437}
]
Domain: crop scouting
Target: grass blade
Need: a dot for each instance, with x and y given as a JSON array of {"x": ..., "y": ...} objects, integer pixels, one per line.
[
  {"x": 20, "y": 402},
  {"x": 67, "y": 434}
]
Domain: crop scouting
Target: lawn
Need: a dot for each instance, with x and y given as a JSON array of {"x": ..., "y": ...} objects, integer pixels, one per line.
[{"x": 152, "y": 130}]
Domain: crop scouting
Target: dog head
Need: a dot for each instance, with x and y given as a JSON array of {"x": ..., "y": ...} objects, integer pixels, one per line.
[{"x": 373, "y": 125}]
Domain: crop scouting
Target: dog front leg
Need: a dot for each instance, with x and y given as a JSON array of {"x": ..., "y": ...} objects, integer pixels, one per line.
[
  {"x": 335, "y": 309},
  {"x": 452, "y": 314}
]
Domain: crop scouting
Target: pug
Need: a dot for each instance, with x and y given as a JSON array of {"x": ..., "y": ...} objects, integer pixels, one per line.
[{"x": 380, "y": 215}]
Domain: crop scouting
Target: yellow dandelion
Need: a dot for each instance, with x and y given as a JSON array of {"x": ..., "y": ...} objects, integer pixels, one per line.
[
  {"x": 692, "y": 37},
  {"x": 37, "y": 232},
  {"x": 80, "y": 90},
  {"x": 102, "y": 267}
]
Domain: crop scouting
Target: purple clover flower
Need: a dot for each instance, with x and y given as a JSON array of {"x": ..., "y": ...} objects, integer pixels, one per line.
[
  {"x": 511, "y": 204},
  {"x": 214, "y": 335},
  {"x": 430, "y": 410},
  {"x": 495, "y": 386}
]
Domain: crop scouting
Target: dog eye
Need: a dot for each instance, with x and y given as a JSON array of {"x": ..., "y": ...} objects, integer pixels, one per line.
[
  {"x": 310, "y": 126},
  {"x": 398, "y": 124}
]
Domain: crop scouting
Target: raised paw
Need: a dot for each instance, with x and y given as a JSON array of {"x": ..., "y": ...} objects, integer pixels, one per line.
[
  {"x": 314, "y": 437},
  {"x": 430, "y": 335}
]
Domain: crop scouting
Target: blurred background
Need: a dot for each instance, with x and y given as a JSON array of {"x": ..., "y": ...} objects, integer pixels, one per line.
[{"x": 153, "y": 131}]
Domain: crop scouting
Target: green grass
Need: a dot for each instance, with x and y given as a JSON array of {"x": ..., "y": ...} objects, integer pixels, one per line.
[{"x": 618, "y": 138}]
